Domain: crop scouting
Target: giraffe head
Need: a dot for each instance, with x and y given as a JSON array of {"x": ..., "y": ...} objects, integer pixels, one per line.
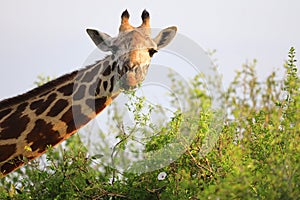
[{"x": 133, "y": 47}]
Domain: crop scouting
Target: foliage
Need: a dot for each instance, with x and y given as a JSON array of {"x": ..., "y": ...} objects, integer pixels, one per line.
[{"x": 256, "y": 154}]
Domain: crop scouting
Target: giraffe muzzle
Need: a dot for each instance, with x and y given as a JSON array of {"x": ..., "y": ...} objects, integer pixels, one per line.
[{"x": 133, "y": 77}]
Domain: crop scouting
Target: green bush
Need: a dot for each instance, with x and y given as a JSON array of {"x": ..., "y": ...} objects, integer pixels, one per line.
[{"x": 256, "y": 156}]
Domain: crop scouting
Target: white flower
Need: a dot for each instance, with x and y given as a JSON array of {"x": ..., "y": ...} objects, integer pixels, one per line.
[{"x": 161, "y": 176}]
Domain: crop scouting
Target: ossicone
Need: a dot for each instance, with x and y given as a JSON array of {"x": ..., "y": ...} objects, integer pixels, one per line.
[
  {"x": 125, "y": 25},
  {"x": 146, "y": 19}
]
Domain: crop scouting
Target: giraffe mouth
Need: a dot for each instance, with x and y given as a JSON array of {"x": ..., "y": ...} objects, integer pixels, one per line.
[{"x": 133, "y": 77}]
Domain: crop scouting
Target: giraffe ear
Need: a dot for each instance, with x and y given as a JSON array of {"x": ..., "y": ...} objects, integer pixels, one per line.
[
  {"x": 102, "y": 40},
  {"x": 165, "y": 37}
]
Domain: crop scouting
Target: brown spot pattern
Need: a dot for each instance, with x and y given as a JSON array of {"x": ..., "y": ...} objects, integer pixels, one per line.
[
  {"x": 97, "y": 104},
  {"x": 94, "y": 89},
  {"x": 111, "y": 84},
  {"x": 35, "y": 104},
  {"x": 40, "y": 106},
  {"x": 107, "y": 71},
  {"x": 66, "y": 90},
  {"x": 42, "y": 135},
  {"x": 11, "y": 165},
  {"x": 114, "y": 65},
  {"x": 13, "y": 126},
  {"x": 100, "y": 104},
  {"x": 105, "y": 85},
  {"x": 22, "y": 107},
  {"x": 96, "y": 69},
  {"x": 80, "y": 92},
  {"x": 89, "y": 76},
  {"x": 105, "y": 64},
  {"x": 5, "y": 112},
  {"x": 57, "y": 107},
  {"x": 9, "y": 150},
  {"x": 74, "y": 118}
]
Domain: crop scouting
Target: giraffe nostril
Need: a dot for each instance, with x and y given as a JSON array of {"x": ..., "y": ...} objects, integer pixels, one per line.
[
  {"x": 136, "y": 69},
  {"x": 126, "y": 68}
]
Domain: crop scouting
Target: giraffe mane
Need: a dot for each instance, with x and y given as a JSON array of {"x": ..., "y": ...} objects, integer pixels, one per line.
[
  {"x": 36, "y": 91},
  {"x": 40, "y": 89}
]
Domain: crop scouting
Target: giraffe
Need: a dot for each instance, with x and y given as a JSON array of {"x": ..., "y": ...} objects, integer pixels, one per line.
[{"x": 49, "y": 114}]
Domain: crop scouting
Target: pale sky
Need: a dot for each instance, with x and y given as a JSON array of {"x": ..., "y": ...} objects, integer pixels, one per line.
[{"x": 49, "y": 38}]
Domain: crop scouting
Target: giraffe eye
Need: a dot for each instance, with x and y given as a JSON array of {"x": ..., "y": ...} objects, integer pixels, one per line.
[{"x": 151, "y": 52}]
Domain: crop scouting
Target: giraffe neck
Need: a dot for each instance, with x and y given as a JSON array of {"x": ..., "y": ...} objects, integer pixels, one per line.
[{"x": 53, "y": 112}]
